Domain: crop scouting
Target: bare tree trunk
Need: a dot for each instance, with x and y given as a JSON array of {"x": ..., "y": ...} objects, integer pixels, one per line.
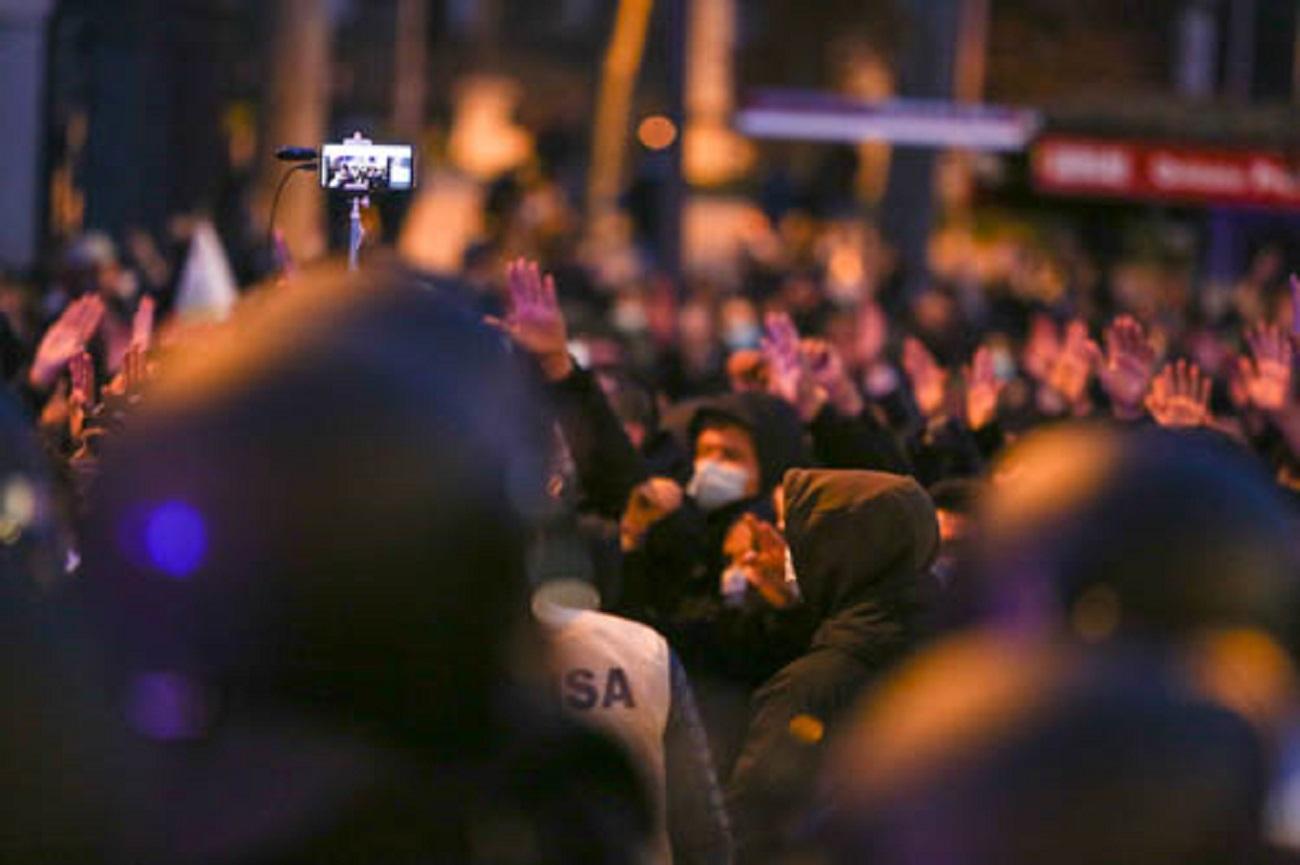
[
  {"x": 410, "y": 79},
  {"x": 296, "y": 113}
]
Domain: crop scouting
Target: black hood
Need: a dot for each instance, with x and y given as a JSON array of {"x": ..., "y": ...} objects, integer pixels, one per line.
[
  {"x": 773, "y": 424},
  {"x": 856, "y": 536}
]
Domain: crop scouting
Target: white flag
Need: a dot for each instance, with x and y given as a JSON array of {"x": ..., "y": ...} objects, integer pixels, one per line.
[{"x": 207, "y": 288}]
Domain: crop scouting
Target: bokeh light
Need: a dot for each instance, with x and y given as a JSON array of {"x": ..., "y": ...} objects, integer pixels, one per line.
[
  {"x": 656, "y": 132},
  {"x": 176, "y": 539}
]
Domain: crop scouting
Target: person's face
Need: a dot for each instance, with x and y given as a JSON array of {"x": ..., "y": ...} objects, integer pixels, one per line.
[{"x": 733, "y": 446}]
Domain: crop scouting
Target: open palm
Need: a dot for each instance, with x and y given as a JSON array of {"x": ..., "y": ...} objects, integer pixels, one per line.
[
  {"x": 66, "y": 339},
  {"x": 1180, "y": 396},
  {"x": 535, "y": 322}
]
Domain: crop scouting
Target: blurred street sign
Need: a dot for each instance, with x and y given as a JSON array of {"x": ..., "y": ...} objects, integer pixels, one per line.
[
  {"x": 1138, "y": 170},
  {"x": 813, "y": 116}
]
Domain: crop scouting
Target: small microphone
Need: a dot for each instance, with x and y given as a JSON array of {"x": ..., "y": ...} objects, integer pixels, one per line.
[{"x": 295, "y": 154}]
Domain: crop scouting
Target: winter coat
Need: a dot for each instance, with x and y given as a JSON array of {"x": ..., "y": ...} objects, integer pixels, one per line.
[{"x": 860, "y": 543}]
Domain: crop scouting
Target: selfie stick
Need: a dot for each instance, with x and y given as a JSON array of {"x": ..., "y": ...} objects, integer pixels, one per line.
[{"x": 356, "y": 231}]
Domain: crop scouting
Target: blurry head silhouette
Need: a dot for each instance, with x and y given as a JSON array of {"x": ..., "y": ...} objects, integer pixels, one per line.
[
  {"x": 306, "y": 554},
  {"x": 1153, "y": 536},
  {"x": 322, "y": 509},
  {"x": 982, "y": 753}
]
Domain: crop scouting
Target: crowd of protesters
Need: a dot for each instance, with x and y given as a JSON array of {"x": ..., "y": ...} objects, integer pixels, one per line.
[{"x": 563, "y": 561}]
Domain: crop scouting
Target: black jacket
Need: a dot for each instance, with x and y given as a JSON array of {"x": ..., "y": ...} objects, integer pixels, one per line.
[
  {"x": 860, "y": 543},
  {"x": 672, "y": 583},
  {"x": 607, "y": 465}
]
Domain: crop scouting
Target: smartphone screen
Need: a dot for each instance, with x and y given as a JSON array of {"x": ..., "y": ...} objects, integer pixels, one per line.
[{"x": 367, "y": 167}]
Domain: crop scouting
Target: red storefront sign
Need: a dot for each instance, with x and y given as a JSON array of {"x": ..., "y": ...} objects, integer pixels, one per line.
[{"x": 1066, "y": 165}]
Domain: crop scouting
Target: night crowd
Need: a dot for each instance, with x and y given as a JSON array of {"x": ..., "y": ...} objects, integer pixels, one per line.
[{"x": 561, "y": 560}]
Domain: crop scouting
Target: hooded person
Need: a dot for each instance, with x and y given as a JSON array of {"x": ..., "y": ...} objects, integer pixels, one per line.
[
  {"x": 723, "y": 475},
  {"x": 672, "y": 571},
  {"x": 859, "y": 546},
  {"x": 306, "y": 556},
  {"x": 741, "y": 445}
]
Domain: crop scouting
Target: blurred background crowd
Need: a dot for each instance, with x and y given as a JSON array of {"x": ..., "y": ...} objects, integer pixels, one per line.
[{"x": 770, "y": 432}]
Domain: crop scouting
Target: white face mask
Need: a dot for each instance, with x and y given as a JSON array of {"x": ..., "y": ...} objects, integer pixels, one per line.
[
  {"x": 630, "y": 316},
  {"x": 742, "y": 334},
  {"x": 716, "y": 484}
]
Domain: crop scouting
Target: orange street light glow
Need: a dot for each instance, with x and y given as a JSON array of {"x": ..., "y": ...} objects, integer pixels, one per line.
[{"x": 656, "y": 132}]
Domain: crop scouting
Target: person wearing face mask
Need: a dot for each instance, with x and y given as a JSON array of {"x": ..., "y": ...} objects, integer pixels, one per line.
[
  {"x": 675, "y": 544},
  {"x": 726, "y": 466},
  {"x": 672, "y": 536}
]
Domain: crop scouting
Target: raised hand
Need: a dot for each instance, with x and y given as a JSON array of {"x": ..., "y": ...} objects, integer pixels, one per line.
[
  {"x": 929, "y": 380},
  {"x": 65, "y": 339},
  {"x": 788, "y": 376},
  {"x": 873, "y": 334},
  {"x": 135, "y": 370},
  {"x": 535, "y": 321},
  {"x": 1073, "y": 365},
  {"x": 650, "y": 502},
  {"x": 81, "y": 396},
  {"x": 764, "y": 563},
  {"x": 1127, "y": 367},
  {"x": 983, "y": 389},
  {"x": 1267, "y": 379},
  {"x": 780, "y": 339},
  {"x": 1180, "y": 396},
  {"x": 1295, "y": 306},
  {"x": 826, "y": 367},
  {"x": 81, "y": 370},
  {"x": 1041, "y": 348},
  {"x": 142, "y": 324}
]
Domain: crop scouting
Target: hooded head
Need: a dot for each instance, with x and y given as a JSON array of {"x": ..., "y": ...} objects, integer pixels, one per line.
[
  {"x": 856, "y": 535},
  {"x": 768, "y": 426}
]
